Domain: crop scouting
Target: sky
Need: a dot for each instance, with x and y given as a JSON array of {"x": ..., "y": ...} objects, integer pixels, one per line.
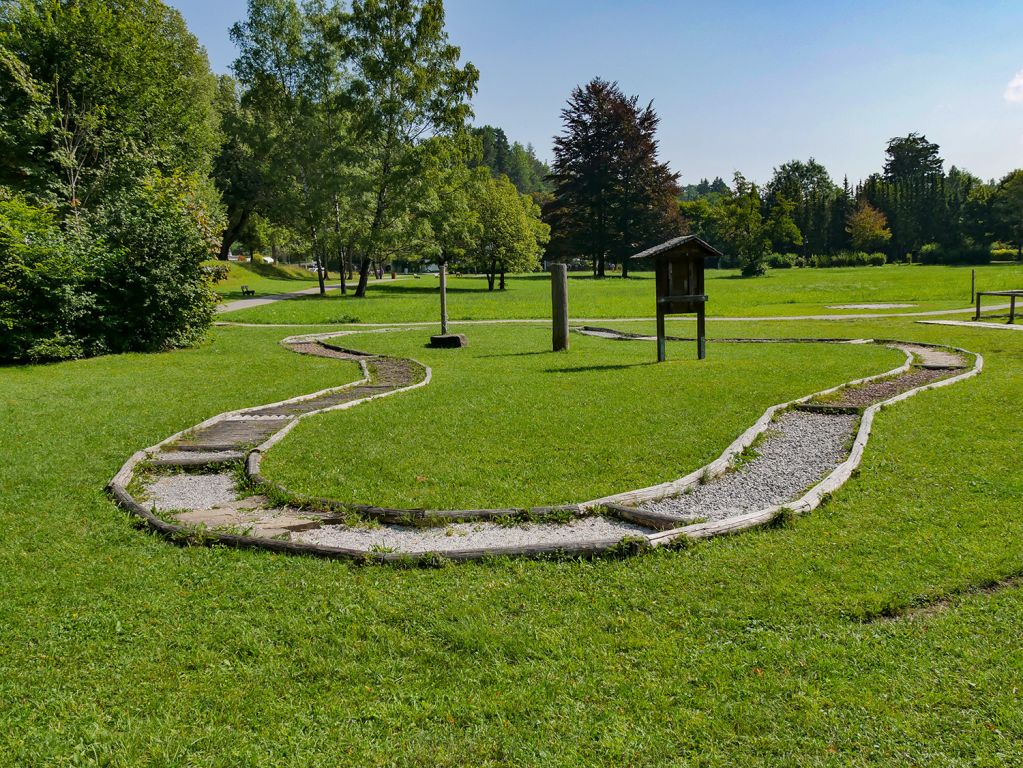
[{"x": 743, "y": 85}]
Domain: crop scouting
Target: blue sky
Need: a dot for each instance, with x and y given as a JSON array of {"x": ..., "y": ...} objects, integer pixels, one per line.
[{"x": 744, "y": 85}]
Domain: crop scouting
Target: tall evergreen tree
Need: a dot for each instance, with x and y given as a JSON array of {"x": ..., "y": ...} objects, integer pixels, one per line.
[{"x": 612, "y": 196}]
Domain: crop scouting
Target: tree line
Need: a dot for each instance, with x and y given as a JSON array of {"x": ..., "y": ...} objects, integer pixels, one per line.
[
  {"x": 612, "y": 197},
  {"x": 125, "y": 163}
]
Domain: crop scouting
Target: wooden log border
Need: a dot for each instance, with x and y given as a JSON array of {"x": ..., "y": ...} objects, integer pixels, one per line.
[{"x": 666, "y": 531}]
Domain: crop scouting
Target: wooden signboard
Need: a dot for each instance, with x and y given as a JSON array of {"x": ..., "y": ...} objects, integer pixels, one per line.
[{"x": 679, "y": 266}]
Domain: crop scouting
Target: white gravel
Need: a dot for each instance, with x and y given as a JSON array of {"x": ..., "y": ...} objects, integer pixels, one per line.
[
  {"x": 187, "y": 491},
  {"x": 461, "y": 536},
  {"x": 800, "y": 449}
]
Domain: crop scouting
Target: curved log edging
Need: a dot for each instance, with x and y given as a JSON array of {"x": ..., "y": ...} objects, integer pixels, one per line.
[{"x": 617, "y": 505}]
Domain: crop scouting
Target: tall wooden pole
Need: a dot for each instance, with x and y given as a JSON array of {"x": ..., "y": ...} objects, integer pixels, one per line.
[
  {"x": 559, "y": 305},
  {"x": 973, "y": 284},
  {"x": 443, "y": 298}
]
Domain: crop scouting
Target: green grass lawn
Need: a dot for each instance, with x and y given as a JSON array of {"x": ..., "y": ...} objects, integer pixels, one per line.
[
  {"x": 265, "y": 279},
  {"x": 507, "y": 422},
  {"x": 765, "y": 649},
  {"x": 780, "y": 292}
]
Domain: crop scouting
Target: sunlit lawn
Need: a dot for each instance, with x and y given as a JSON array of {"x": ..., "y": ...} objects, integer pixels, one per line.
[
  {"x": 765, "y": 649},
  {"x": 780, "y": 292}
]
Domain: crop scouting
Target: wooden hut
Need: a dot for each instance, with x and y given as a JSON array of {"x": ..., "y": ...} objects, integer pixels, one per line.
[{"x": 679, "y": 265}]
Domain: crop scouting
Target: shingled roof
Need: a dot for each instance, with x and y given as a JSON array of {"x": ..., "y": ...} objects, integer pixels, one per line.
[{"x": 709, "y": 249}]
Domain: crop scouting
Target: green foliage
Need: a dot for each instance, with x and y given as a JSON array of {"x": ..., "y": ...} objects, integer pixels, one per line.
[
  {"x": 151, "y": 290},
  {"x": 936, "y": 253},
  {"x": 785, "y": 261},
  {"x": 740, "y": 225},
  {"x": 519, "y": 163},
  {"x": 128, "y": 279},
  {"x": 1007, "y": 202},
  {"x": 511, "y": 235},
  {"x": 847, "y": 259},
  {"x": 612, "y": 196},
  {"x": 43, "y": 304},
  {"x": 94, "y": 81}
]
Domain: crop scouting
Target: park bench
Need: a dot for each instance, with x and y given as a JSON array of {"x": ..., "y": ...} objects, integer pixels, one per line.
[
  {"x": 246, "y": 291},
  {"x": 1012, "y": 302}
]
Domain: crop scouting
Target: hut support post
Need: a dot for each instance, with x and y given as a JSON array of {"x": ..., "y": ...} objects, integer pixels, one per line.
[
  {"x": 701, "y": 334},
  {"x": 661, "y": 356}
]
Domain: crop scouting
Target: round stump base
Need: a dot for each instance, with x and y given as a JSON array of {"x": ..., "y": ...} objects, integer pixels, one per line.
[{"x": 449, "y": 340}]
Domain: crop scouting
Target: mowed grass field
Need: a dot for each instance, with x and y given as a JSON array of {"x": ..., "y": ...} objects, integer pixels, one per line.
[
  {"x": 781, "y": 292},
  {"x": 265, "y": 279},
  {"x": 879, "y": 630},
  {"x": 507, "y": 422}
]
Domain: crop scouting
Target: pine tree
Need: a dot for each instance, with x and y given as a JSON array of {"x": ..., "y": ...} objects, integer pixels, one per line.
[{"x": 612, "y": 197}]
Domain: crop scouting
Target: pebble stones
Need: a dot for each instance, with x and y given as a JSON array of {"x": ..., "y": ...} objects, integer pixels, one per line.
[
  {"x": 799, "y": 450},
  {"x": 468, "y": 536}
]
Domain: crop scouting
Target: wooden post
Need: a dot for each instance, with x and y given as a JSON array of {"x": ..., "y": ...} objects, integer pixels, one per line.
[
  {"x": 701, "y": 334},
  {"x": 973, "y": 284},
  {"x": 661, "y": 356},
  {"x": 559, "y": 306},
  {"x": 1012, "y": 309},
  {"x": 977, "y": 316},
  {"x": 443, "y": 299}
]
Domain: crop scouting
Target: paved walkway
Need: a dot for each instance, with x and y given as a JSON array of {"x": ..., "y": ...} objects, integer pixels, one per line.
[{"x": 974, "y": 323}]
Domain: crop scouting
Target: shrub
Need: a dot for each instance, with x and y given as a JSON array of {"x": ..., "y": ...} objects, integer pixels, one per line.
[
  {"x": 1004, "y": 254},
  {"x": 43, "y": 303},
  {"x": 130, "y": 278},
  {"x": 152, "y": 291},
  {"x": 848, "y": 259},
  {"x": 784, "y": 261},
  {"x": 935, "y": 253}
]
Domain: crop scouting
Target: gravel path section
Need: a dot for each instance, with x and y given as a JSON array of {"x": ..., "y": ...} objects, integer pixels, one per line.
[
  {"x": 799, "y": 450},
  {"x": 462, "y": 536},
  {"x": 883, "y": 389},
  {"x": 187, "y": 491},
  {"x": 932, "y": 355}
]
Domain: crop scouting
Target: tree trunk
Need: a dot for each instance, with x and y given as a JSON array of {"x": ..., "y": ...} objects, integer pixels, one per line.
[
  {"x": 491, "y": 274},
  {"x": 319, "y": 262},
  {"x": 231, "y": 233},
  {"x": 625, "y": 267},
  {"x": 502, "y": 285},
  {"x": 340, "y": 247},
  {"x": 600, "y": 266},
  {"x": 360, "y": 291}
]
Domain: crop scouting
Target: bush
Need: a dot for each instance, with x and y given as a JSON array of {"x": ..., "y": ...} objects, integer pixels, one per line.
[
  {"x": 1004, "y": 254},
  {"x": 935, "y": 253},
  {"x": 784, "y": 261},
  {"x": 152, "y": 291},
  {"x": 128, "y": 279},
  {"x": 848, "y": 259},
  {"x": 42, "y": 271},
  {"x": 752, "y": 266}
]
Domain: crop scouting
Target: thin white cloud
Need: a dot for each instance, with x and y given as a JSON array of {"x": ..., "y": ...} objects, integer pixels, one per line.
[{"x": 1014, "y": 90}]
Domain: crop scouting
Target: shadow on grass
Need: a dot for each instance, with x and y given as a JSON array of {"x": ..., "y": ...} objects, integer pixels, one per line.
[{"x": 597, "y": 368}]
